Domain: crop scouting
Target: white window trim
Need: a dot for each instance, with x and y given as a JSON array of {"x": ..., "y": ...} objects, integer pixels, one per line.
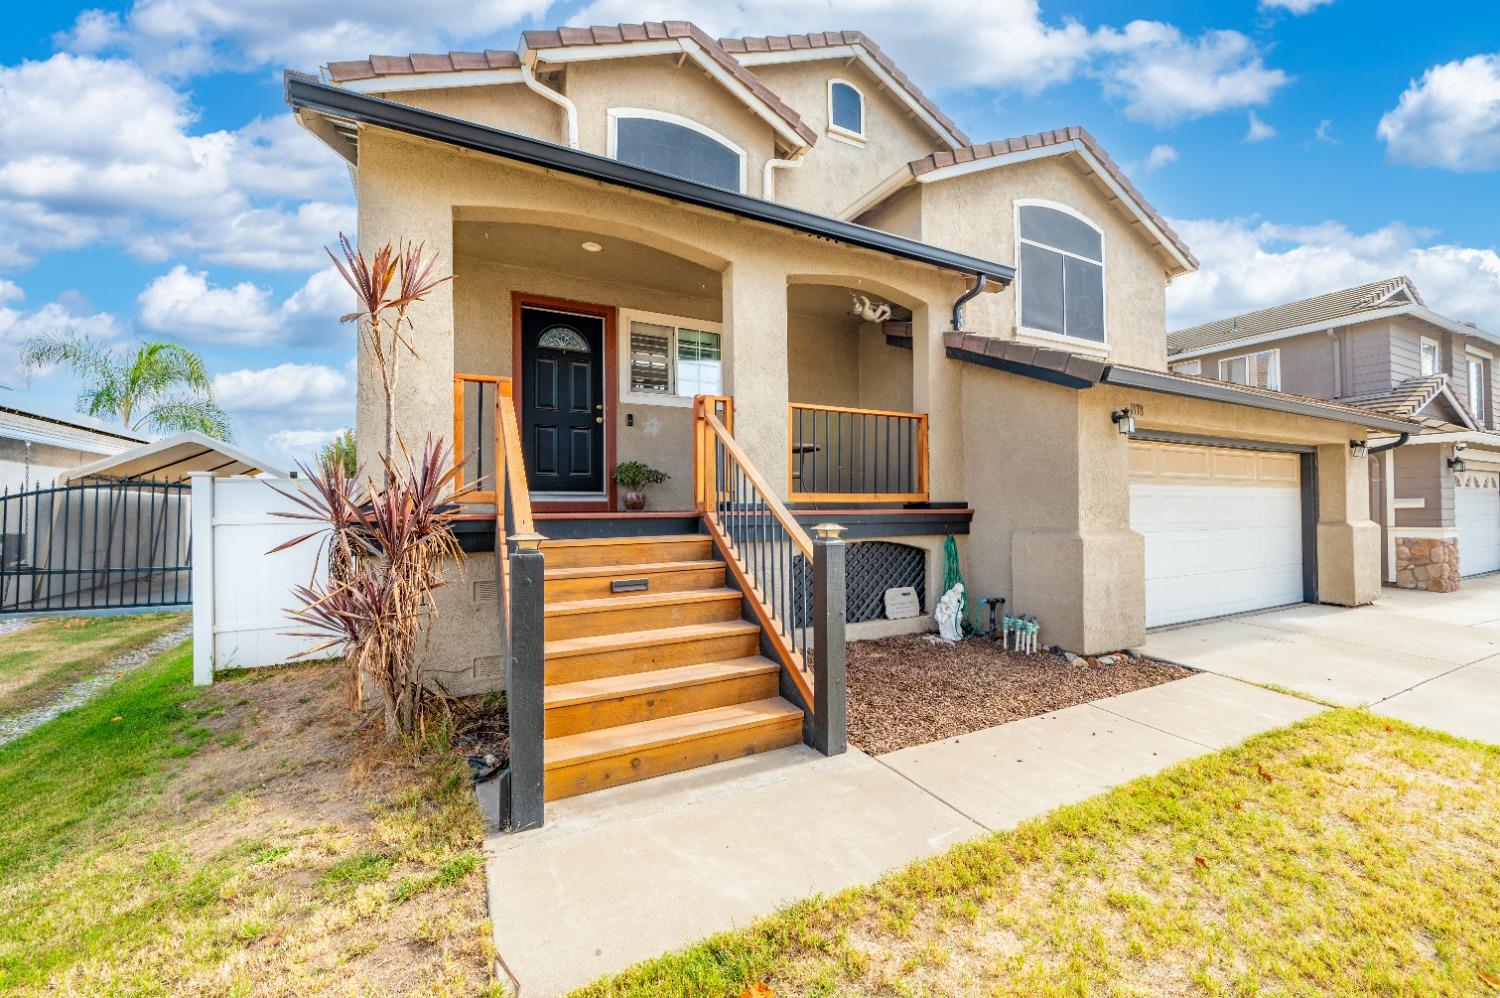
[
  {"x": 1437, "y": 367},
  {"x": 1478, "y": 390},
  {"x": 627, "y": 316},
  {"x": 1194, "y": 367},
  {"x": 1073, "y": 341},
  {"x": 616, "y": 113},
  {"x": 1249, "y": 359},
  {"x": 838, "y": 131}
]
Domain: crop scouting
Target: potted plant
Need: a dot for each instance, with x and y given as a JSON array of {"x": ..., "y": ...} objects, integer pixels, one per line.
[{"x": 635, "y": 476}]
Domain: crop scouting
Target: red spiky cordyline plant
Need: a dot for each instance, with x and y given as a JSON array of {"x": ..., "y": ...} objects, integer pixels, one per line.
[
  {"x": 387, "y": 285},
  {"x": 392, "y": 542}
]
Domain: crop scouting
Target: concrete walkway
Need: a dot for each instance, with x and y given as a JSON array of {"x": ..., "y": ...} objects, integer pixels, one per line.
[
  {"x": 1428, "y": 658},
  {"x": 623, "y": 875}
]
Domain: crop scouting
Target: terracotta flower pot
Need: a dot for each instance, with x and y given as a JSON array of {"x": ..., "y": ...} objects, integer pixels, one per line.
[{"x": 635, "y": 501}]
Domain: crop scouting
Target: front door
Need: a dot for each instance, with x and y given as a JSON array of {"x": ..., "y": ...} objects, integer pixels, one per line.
[{"x": 562, "y": 401}]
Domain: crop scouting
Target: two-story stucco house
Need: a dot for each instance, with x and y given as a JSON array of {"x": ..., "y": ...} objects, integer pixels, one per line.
[
  {"x": 1437, "y": 496},
  {"x": 775, "y": 269}
]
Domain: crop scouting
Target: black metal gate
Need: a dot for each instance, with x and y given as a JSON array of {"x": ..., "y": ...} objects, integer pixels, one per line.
[{"x": 96, "y": 546}]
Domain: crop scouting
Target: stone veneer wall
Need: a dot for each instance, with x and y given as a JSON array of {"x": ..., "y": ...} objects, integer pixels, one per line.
[{"x": 1427, "y": 563}]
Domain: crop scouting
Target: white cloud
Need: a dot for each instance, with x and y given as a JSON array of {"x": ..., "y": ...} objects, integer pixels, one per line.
[
  {"x": 100, "y": 150},
  {"x": 293, "y": 447},
  {"x": 1449, "y": 118},
  {"x": 70, "y": 313},
  {"x": 184, "y": 303},
  {"x": 288, "y": 389},
  {"x": 183, "y": 37},
  {"x": 1298, "y": 7},
  {"x": 1160, "y": 156},
  {"x": 1163, "y": 76},
  {"x": 1258, "y": 131},
  {"x": 1324, "y": 133},
  {"x": 10, "y": 291},
  {"x": 1249, "y": 264}
]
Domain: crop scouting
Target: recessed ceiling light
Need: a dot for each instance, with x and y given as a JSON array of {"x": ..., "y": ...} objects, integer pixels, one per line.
[{"x": 592, "y": 247}]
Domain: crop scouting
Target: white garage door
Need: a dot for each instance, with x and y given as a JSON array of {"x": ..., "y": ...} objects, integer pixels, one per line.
[
  {"x": 1476, "y": 499},
  {"x": 1223, "y": 529}
]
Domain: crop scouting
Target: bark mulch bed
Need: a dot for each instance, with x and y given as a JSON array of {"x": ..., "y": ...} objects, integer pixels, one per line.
[{"x": 914, "y": 689}]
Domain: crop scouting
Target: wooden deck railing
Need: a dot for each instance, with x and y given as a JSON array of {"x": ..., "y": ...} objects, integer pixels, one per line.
[
  {"x": 842, "y": 454},
  {"x": 795, "y": 585},
  {"x": 476, "y": 428}
]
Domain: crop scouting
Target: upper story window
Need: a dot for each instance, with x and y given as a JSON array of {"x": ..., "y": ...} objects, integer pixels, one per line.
[
  {"x": 1061, "y": 273},
  {"x": 846, "y": 109},
  {"x": 1431, "y": 357},
  {"x": 1479, "y": 390},
  {"x": 677, "y": 146},
  {"x": 1188, "y": 367},
  {"x": 1262, "y": 370}
]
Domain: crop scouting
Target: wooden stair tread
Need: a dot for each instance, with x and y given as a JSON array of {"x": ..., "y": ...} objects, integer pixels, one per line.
[
  {"x": 625, "y": 601},
  {"x": 652, "y": 636},
  {"x": 609, "y": 687},
  {"x": 647, "y": 568},
  {"x": 571, "y": 750},
  {"x": 591, "y": 542}
]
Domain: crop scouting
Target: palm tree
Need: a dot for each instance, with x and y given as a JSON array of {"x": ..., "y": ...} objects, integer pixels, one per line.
[{"x": 157, "y": 387}]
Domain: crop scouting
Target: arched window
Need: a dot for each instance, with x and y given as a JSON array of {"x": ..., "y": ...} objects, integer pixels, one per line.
[
  {"x": 563, "y": 338},
  {"x": 677, "y": 146},
  {"x": 1061, "y": 272},
  {"x": 846, "y": 109}
]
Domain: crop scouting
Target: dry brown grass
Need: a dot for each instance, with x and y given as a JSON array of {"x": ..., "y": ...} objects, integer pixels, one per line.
[{"x": 276, "y": 852}]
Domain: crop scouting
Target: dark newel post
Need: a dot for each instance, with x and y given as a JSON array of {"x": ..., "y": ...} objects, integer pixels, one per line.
[
  {"x": 830, "y": 685},
  {"x": 524, "y": 679}
]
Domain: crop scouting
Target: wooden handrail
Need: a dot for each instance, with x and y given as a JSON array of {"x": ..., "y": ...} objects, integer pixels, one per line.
[
  {"x": 765, "y": 494},
  {"x": 812, "y": 406},
  {"x": 508, "y": 448},
  {"x": 466, "y": 475}
]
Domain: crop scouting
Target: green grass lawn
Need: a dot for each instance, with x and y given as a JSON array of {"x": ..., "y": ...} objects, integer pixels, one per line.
[
  {"x": 54, "y": 652},
  {"x": 238, "y": 840},
  {"x": 1345, "y": 855}
]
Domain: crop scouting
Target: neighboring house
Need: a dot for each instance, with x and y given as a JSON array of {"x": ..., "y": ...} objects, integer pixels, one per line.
[
  {"x": 36, "y": 448},
  {"x": 1379, "y": 346},
  {"x": 640, "y": 216}
]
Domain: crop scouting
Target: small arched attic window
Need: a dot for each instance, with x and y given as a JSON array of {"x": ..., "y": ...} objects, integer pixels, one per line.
[{"x": 846, "y": 109}]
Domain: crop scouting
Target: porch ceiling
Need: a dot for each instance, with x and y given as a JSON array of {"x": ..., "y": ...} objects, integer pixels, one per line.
[{"x": 541, "y": 247}]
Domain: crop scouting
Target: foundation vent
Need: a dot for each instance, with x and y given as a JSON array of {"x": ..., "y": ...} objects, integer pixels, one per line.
[{"x": 485, "y": 591}]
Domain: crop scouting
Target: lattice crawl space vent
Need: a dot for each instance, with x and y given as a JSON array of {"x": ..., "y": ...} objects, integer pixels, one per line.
[{"x": 484, "y": 591}]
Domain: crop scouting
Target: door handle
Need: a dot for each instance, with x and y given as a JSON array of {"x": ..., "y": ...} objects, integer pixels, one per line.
[
  {"x": 599, "y": 407},
  {"x": 598, "y": 419}
]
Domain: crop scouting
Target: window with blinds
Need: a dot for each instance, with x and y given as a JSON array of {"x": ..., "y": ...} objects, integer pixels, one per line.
[
  {"x": 1260, "y": 370},
  {"x": 668, "y": 360}
]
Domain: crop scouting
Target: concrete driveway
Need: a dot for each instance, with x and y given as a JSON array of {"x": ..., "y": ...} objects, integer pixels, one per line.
[{"x": 1428, "y": 658}]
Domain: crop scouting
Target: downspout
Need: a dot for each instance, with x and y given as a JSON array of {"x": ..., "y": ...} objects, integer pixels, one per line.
[
  {"x": 958, "y": 307},
  {"x": 570, "y": 112},
  {"x": 1401, "y": 439},
  {"x": 768, "y": 175}
]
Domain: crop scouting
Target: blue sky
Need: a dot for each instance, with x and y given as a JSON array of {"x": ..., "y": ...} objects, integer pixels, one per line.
[{"x": 152, "y": 183}]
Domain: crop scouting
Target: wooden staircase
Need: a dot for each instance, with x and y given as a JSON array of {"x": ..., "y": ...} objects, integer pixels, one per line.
[{"x": 650, "y": 666}]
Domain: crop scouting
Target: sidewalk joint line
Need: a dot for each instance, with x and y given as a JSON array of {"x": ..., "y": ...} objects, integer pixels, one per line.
[{"x": 941, "y": 800}]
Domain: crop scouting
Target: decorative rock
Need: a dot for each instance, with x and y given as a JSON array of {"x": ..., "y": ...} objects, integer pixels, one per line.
[{"x": 1427, "y": 563}]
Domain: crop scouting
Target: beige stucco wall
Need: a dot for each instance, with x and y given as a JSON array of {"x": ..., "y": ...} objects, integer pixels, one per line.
[
  {"x": 508, "y": 105},
  {"x": 975, "y": 213},
  {"x": 838, "y": 171}
]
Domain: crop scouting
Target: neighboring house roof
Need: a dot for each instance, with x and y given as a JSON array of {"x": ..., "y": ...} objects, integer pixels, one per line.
[
  {"x": 756, "y": 50},
  {"x": 1058, "y": 142},
  {"x": 1077, "y": 371},
  {"x": 73, "y": 431},
  {"x": 331, "y": 108},
  {"x": 1334, "y": 308},
  {"x": 651, "y": 37},
  {"x": 1412, "y": 397},
  {"x": 173, "y": 459}
]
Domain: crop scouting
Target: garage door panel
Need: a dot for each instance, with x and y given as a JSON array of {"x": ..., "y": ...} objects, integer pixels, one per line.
[
  {"x": 1223, "y": 530},
  {"x": 1476, "y": 501}
]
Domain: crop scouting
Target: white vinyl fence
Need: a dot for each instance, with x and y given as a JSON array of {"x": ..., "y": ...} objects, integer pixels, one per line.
[{"x": 241, "y": 593}]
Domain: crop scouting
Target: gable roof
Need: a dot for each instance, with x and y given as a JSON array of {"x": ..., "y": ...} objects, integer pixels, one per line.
[
  {"x": 753, "y": 50},
  {"x": 1333, "y": 307},
  {"x": 559, "y": 45},
  {"x": 1074, "y": 140},
  {"x": 1410, "y": 398}
]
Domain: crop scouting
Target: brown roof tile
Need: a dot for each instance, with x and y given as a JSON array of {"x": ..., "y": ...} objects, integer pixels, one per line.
[
  {"x": 830, "y": 39},
  {"x": 1040, "y": 140},
  {"x": 396, "y": 65}
]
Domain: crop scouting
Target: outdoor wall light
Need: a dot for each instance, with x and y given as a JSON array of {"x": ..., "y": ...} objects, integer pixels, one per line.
[
  {"x": 1359, "y": 448},
  {"x": 1124, "y": 421},
  {"x": 1457, "y": 465}
]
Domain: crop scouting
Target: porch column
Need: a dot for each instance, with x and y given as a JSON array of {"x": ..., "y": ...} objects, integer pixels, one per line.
[
  {"x": 1348, "y": 540},
  {"x": 755, "y": 362},
  {"x": 394, "y": 206},
  {"x": 936, "y": 391}
]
